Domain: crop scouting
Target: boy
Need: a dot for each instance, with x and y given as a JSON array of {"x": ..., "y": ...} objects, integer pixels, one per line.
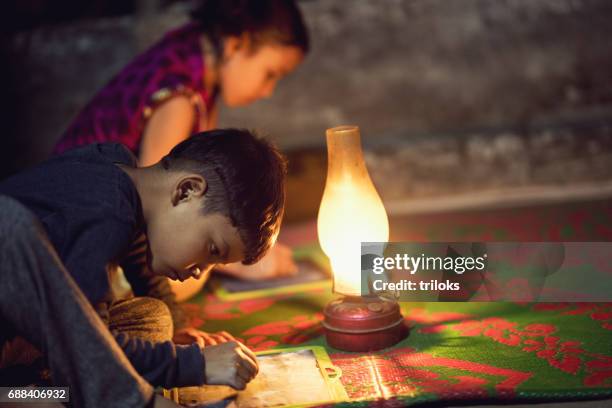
[{"x": 67, "y": 224}]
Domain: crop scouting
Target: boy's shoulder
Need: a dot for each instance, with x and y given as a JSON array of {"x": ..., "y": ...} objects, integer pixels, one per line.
[
  {"x": 97, "y": 154},
  {"x": 82, "y": 180}
]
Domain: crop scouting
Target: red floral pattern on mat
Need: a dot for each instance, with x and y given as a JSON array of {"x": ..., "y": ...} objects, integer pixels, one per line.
[
  {"x": 423, "y": 316},
  {"x": 600, "y": 372},
  {"x": 193, "y": 314},
  {"x": 432, "y": 320},
  {"x": 406, "y": 372},
  {"x": 601, "y": 312},
  {"x": 216, "y": 309},
  {"x": 296, "y": 330},
  {"x": 567, "y": 356}
]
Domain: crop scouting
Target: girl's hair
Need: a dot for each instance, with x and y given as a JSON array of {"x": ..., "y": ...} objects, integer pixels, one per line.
[{"x": 277, "y": 21}]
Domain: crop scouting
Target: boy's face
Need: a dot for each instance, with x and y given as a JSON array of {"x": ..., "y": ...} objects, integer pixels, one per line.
[
  {"x": 249, "y": 74},
  {"x": 183, "y": 241}
]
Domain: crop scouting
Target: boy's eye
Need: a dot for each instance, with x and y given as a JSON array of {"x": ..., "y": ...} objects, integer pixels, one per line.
[{"x": 213, "y": 250}]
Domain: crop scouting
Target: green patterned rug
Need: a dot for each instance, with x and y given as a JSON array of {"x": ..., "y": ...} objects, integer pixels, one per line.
[{"x": 455, "y": 351}]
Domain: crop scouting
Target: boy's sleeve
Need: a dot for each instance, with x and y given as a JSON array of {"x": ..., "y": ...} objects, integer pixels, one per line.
[
  {"x": 97, "y": 242},
  {"x": 145, "y": 283},
  {"x": 164, "y": 364},
  {"x": 161, "y": 364}
]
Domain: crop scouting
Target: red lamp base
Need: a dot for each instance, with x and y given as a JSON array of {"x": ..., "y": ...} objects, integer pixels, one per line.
[{"x": 366, "y": 323}]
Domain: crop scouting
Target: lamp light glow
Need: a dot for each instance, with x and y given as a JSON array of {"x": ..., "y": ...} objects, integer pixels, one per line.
[{"x": 351, "y": 210}]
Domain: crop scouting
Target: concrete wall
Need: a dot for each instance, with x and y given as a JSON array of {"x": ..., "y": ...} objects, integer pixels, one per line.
[
  {"x": 411, "y": 67},
  {"x": 454, "y": 96}
]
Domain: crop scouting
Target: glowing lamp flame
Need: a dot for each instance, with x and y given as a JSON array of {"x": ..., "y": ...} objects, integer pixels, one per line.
[{"x": 351, "y": 210}]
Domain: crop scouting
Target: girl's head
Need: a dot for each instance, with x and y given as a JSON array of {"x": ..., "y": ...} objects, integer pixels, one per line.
[{"x": 257, "y": 43}]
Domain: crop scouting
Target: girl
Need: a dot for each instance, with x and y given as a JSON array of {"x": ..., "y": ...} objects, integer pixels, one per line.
[{"x": 233, "y": 49}]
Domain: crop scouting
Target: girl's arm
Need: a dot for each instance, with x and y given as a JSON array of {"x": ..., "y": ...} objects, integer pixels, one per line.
[
  {"x": 213, "y": 118},
  {"x": 170, "y": 124},
  {"x": 277, "y": 263}
]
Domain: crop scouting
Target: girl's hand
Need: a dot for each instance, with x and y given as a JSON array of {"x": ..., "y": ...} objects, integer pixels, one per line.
[
  {"x": 277, "y": 263},
  {"x": 190, "y": 335}
]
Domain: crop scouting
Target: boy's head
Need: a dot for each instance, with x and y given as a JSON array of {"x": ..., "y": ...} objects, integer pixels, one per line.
[{"x": 223, "y": 202}]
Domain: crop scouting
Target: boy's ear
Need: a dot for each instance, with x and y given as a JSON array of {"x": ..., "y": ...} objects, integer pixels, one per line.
[{"x": 188, "y": 187}]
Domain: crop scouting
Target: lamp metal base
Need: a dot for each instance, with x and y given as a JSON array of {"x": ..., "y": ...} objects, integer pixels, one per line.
[{"x": 363, "y": 323}]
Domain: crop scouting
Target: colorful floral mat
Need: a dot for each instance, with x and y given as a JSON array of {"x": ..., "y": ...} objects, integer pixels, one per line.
[{"x": 455, "y": 351}]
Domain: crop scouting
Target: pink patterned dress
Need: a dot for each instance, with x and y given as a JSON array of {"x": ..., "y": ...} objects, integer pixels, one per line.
[{"x": 119, "y": 112}]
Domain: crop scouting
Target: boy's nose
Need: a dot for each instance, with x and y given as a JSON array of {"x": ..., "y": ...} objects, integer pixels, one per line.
[{"x": 196, "y": 272}]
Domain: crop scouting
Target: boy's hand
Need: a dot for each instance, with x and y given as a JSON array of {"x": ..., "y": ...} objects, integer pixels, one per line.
[
  {"x": 277, "y": 263},
  {"x": 230, "y": 363},
  {"x": 190, "y": 335}
]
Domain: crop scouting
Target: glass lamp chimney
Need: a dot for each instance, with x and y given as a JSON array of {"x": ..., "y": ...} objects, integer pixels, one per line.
[{"x": 351, "y": 210}]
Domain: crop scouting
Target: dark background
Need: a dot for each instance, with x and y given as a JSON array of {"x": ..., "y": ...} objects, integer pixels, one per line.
[{"x": 475, "y": 99}]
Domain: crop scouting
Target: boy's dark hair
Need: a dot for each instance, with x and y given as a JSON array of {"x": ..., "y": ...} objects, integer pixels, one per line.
[
  {"x": 279, "y": 21},
  {"x": 245, "y": 182}
]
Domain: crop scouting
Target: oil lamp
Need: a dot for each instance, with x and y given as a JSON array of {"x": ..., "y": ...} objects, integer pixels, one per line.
[{"x": 352, "y": 212}]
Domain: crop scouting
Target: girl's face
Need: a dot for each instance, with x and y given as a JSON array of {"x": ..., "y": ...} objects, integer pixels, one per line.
[{"x": 247, "y": 75}]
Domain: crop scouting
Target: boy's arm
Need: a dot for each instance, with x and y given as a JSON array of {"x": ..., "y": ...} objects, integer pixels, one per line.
[
  {"x": 164, "y": 364},
  {"x": 161, "y": 364},
  {"x": 169, "y": 365}
]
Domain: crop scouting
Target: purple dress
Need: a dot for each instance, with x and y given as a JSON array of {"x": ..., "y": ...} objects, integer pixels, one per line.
[{"x": 119, "y": 112}]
